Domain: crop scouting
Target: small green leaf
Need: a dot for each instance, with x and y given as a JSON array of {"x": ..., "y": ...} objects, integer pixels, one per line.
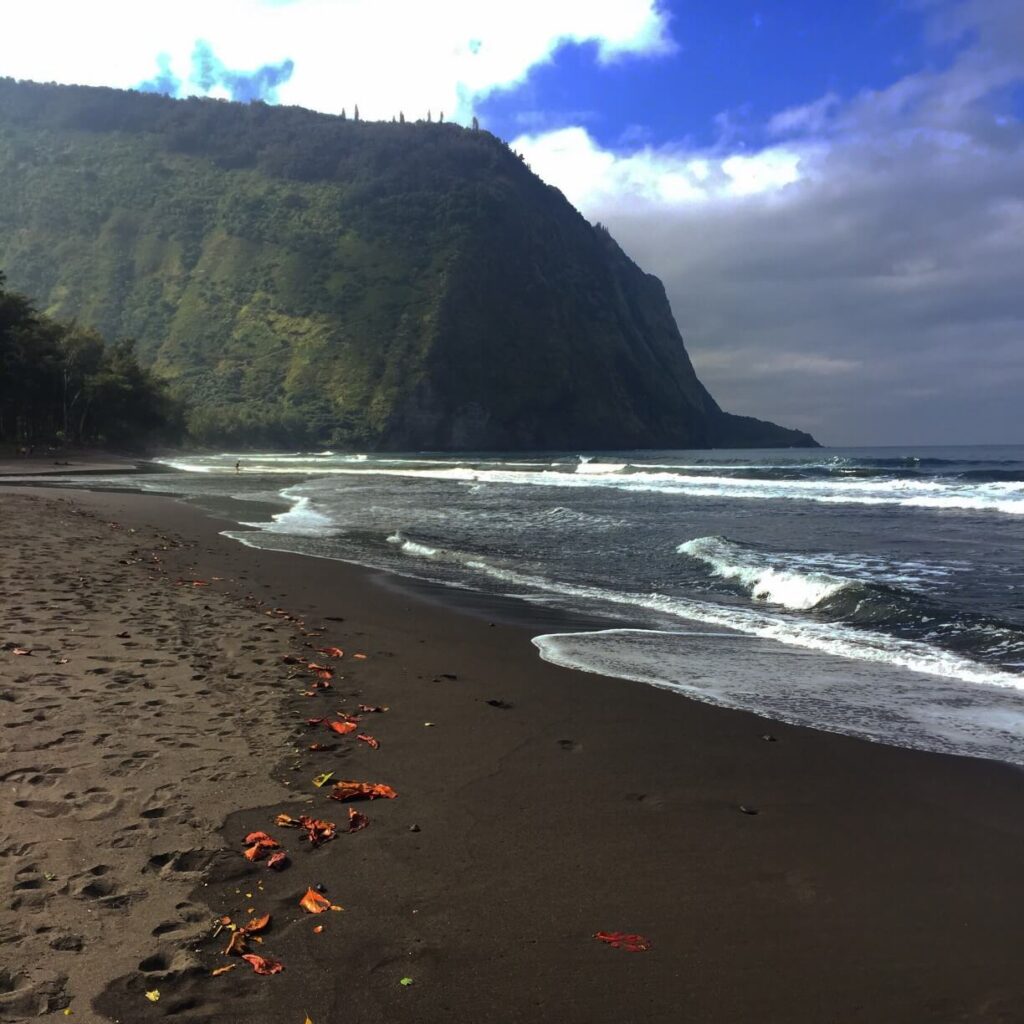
[
  {"x": 322, "y": 780},
  {"x": 406, "y": 982}
]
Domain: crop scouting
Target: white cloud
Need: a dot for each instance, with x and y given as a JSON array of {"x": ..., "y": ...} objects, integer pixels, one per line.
[
  {"x": 860, "y": 277},
  {"x": 593, "y": 177},
  {"x": 402, "y": 55}
]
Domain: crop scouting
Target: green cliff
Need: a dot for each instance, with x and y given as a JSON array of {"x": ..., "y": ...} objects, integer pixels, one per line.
[{"x": 305, "y": 279}]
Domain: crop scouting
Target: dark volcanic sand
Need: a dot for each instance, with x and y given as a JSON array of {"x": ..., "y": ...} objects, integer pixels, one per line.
[{"x": 874, "y": 885}]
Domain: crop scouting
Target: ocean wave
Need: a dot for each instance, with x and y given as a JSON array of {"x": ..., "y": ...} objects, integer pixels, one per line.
[
  {"x": 1003, "y": 494},
  {"x": 835, "y": 638},
  {"x": 878, "y": 704},
  {"x": 301, "y": 520},
  {"x": 411, "y": 547},
  {"x": 764, "y": 582}
]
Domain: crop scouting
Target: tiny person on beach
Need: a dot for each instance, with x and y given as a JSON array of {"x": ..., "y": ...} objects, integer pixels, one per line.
[{"x": 238, "y": 466}]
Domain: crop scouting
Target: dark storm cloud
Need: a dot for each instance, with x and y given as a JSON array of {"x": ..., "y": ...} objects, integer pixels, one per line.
[{"x": 880, "y": 298}]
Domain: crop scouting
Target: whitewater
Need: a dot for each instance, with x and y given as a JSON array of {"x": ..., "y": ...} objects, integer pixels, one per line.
[{"x": 877, "y": 592}]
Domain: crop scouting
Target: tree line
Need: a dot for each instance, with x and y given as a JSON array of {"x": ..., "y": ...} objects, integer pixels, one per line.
[{"x": 61, "y": 383}]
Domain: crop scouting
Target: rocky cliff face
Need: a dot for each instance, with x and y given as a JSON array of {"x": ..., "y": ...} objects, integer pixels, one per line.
[{"x": 305, "y": 279}]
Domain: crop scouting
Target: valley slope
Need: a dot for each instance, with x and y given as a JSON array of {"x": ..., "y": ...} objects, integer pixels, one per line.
[{"x": 304, "y": 279}]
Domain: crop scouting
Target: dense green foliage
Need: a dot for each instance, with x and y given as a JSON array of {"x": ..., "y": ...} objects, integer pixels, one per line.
[
  {"x": 306, "y": 279},
  {"x": 62, "y": 383}
]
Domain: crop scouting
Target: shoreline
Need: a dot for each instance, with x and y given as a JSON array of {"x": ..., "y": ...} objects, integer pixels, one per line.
[{"x": 874, "y": 883}]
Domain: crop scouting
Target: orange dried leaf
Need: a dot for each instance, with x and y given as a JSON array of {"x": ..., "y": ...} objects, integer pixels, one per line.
[
  {"x": 258, "y": 837},
  {"x": 317, "y": 929},
  {"x": 262, "y": 965},
  {"x": 331, "y": 652},
  {"x": 369, "y": 740},
  {"x": 632, "y": 943},
  {"x": 362, "y": 791},
  {"x": 236, "y": 944},
  {"x": 314, "y": 667},
  {"x": 286, "y": 821},
  {"x": 317, "y": 830},
  {"x": 342, "y": 728},
  {"x": 278, "y": 861},
  {"x": 357, "y": 821},
  {"x": 257, "y": 924},
  {"x": 223, "y": 970},
  {"x": 314, "y": 902},
  {"x": 360, "y": 657}
]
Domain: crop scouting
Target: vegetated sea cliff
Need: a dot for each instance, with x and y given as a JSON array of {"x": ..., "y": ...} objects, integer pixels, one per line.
[{"x": 306, "y": 279}]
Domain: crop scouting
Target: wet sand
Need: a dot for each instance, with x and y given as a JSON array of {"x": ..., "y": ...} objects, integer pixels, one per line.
[{"x": 539, "y": 806}]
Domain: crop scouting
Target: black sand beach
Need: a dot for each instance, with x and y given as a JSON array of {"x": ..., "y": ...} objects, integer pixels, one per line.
[{"x": 537, "y": 807}]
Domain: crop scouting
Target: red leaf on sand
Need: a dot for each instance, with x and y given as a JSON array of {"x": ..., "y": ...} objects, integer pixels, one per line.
[
  {"x": 257, "y": 924},
  {"x": 314, "y": 667},
  {"x": 317, "y": 830},
  {"x": 356, "y": 820},
  {"x": 314, "y": 902},
  {"x": 631, "y": 943},
  {"x": 341, "y": 728},
  {"x": 261, "y": 965},
  {"x": 369, "y": 740},
  {"x": 258, "y": 837},
  {"x": 362, "y": 791},
  {"x": 278, "y": 861},
  {"x": 236, "y": 944},
  {"x": 259, "y": 845},
  {"x": 331, "y": 652},
  {"x": 370, "y": 709}
]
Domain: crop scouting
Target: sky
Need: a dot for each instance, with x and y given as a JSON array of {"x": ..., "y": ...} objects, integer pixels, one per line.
[{"x": 832, "y": 193}]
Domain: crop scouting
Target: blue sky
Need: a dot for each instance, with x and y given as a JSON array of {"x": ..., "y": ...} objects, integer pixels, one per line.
[
  {"x": 831, "y": 192},
  {"x": 745, "y": 60}
]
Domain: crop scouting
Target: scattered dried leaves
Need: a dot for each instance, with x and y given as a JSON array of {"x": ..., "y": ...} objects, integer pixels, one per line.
[
  {"x": 369, "y": 740},
  {"x": 259, "y": 844},
  {"x": 362, "y": 791}
]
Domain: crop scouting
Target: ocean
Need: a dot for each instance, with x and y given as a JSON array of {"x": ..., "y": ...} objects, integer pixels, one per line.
[{"x": 877, "y": 592}]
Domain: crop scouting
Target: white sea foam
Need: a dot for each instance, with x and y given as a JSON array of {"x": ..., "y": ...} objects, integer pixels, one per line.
[
  {"x": 764, "y": 582},
  {"x": 1003, "y": 496},
  {"x": 873, "y": 701},
  {"x": 600, "y": 468},
  {"x": 826, "y": 637},
  {"x": 301, "y": 520}
]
